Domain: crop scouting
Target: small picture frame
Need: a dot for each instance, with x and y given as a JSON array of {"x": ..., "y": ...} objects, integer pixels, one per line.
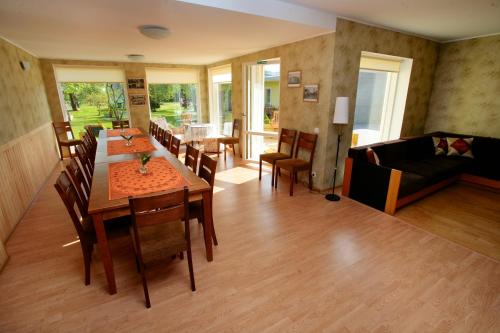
[
  {"x": 137, "y": 100},
  {"x": 294, "y": 79},
  {"x": 135, "y": 83},
  {"x": 311, "y": 93}
]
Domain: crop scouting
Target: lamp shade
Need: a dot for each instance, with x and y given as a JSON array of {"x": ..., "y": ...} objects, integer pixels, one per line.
[{"x": 341, "y": 114}]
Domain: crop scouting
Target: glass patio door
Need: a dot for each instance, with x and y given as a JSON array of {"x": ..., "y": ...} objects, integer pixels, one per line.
[{"x": 261, "y": 118}]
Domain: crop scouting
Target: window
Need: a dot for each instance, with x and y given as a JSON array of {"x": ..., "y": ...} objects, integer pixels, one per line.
[
  {"x": 380, "y": 99},
  {"x": 174, "y": 95},
  {"x": 268, "y": 97},
  {"x": 220, "y": 92},
  {"x": 91, "y": 95}
]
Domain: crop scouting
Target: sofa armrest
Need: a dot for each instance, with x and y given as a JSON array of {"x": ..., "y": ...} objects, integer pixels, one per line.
[{"x": 368, "y": 183}]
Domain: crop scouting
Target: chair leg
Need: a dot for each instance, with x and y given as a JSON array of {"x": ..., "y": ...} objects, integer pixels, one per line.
[
  {"x": 181, "y": 256},
  {"x": 310, "y": 180},
  {"x": 61, "y": 152},
  {"x": 276, "y": 177},
  {"x": 234, "y": 151},
  {"x": 144, "y": 283},
  {"x": 225, "y": 152},
  {"x": 190, "y": 265},
  {"x": 214, "y": 236},
  {"x": 260, "y": 168},
  {"x": 296, "y": 178},
  {"x": 272, "y": 172}
]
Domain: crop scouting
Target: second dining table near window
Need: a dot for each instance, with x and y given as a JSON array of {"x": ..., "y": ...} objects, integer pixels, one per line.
[{"x": 102, "y": 208}]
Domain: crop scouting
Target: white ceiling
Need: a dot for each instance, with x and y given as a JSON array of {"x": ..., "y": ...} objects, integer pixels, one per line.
[
  {"x": 441, "y": 20},
  {"x": 107, "y": 30},
  {"x": 206, "y": 31}
]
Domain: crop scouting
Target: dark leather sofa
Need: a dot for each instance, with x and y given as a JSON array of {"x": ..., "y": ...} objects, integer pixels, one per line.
[{"x": 409, "y": 169}]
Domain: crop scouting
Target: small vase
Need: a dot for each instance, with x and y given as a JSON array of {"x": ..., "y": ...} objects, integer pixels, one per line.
[{"x": 143, "y": 170}]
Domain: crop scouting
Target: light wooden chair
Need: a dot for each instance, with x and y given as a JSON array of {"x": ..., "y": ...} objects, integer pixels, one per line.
[
  {"x": 233, "y": 139},
  {"x": 288, "y": 137},
  {"x": 65, "y": 137}
]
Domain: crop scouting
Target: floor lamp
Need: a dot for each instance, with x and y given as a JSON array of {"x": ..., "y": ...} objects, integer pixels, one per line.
[{"x": 340, "y": 117}]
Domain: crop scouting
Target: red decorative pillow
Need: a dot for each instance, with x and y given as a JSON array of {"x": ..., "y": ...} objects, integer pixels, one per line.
[
  {"x": 440, "y": 145},
  {"x": 372, "y": 157},
  {"x": 460, "y": 147}
]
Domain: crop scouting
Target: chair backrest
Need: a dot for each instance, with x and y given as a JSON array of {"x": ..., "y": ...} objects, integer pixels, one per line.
[
  {"x": 167, "y": 140},
  {"x": 175, "y": 145},
  {"x": 155, "y": 129},
  {"x": 93, "y": 131},
  {"x": 162, "y": 208},
  {"x": 287, "y": 136},
  {"x": 151, "y": 127},
  {"x": 191, "y": 157},
  {"x": 63, "y": 128},
  {"x": 117, "y": 124},
  {"x": 85, "y": 162},
  {"x": 69, "y": 196},
  {"x": 237, "y": 126},
  {"x": 208, "y": 168},
  {"x": 160, "y": 135},
  {"x": 79, "y": 180},
  {"x": 89, "y": 146},
  {"x": 306, "y": 142}
]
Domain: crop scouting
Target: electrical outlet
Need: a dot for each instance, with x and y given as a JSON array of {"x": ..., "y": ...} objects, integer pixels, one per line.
[{"x": 313, "y": 174}]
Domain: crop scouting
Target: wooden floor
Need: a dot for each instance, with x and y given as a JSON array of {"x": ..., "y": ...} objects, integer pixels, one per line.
[
  {"x": 462, "y": 213},
  {"x": 283, "y": 264}
]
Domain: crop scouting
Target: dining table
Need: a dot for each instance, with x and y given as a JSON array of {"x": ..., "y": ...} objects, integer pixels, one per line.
[{"x": 103, "y": 207}]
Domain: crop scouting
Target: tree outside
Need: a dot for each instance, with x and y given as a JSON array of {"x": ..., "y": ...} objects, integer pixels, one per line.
[
  {"x": 94, "y": 103},
  {"x": 173, "y": 101}
]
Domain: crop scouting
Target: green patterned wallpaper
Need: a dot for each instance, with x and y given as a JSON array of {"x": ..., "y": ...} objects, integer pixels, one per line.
[{"x": 466, "y": 92}]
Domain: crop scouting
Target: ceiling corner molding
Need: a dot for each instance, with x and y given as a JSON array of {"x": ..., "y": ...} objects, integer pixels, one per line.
[
  {"x": 19, "y": 46},
  {"x": 274, "y": 9}
]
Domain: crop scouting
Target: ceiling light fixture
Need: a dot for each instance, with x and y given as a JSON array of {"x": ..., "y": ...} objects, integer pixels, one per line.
[
  {"x": 154, "y": 31},
  {"x": 135, "y": 57}
]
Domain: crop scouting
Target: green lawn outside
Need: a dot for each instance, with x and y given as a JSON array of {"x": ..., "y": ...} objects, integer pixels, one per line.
[
  {"x": 172, "y": 111},
  {"x": 88, "y": 115}
]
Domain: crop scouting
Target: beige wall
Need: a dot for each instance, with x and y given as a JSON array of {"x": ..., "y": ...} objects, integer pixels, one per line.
[
  {"x": 466, "y": 92},
  {"x": 27, "y": 147},
  {"x": 139, "y": 115},
  {"x": 350, "y": 39},
  {"x": 314, "y": 57}
]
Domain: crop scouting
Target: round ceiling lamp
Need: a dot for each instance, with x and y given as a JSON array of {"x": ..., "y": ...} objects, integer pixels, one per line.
[
  {"x": 154, "y": 31},
  {"x": 135, "y": 57}
]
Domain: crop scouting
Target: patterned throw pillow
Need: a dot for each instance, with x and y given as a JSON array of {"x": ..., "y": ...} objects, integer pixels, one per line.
[
  {"x": 372, "y": 157},
  {"x": 440, "y": 145},
  {"x": 460, "y": 147}
]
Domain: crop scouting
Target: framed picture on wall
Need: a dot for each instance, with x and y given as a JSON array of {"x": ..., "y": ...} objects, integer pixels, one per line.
[
  {"x": 311, "y": 93},
  {"x": 136, "y": 100},
  {"x": 135, "y": 83},
  {"x": 294, "y": 79}
]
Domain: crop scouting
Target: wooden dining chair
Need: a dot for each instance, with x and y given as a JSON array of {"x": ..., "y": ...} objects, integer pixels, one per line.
[
  {"x": 157, "y": 230},
  {"x": 191, "y": 157},
  {"x": 155, "y": 129},
  {"x": 83, "y": 223},
  {"x": 119, "y": 124},
  {"x": 79, "y": 181},
  {"x": 94, "y": 130},
  {"x": 151, "y": 125},
  {"x": 167, "y": 140},
  {"x": 65, "y": 137},
  {"x": 89, "y": 146},
  {"x": 160, "y": 135},
  {"x": 207, "y": 170},
  {"x": 233, "y": 139},
  {"x": 175, "y": 145},
  {"x": 288, "y": 137},
  {"x": 85, "y": 162},
  {"x": 306, "y": 143}
]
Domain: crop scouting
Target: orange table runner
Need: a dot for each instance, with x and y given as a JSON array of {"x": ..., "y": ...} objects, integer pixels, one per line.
[
  {"x": 139, "y": 145},
  {"x": 126, "y": 180},
  {"x": 128, "y": 131}
]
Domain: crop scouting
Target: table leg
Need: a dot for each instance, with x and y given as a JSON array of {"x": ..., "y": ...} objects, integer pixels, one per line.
[
  {"x": 207, "y": 215},
  {"x": 104, "y": 252}
]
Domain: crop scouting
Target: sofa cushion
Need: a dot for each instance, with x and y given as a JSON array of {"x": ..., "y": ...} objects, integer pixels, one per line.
[
  {"x": 411, "y": 183},
  {"x": 433, "y": 169},
  {"x": 391, "y": 151},
  {"x": 420, "y": 147},
  {"x": 440, "y": 145},
  {"x": 460, "y": 147}
]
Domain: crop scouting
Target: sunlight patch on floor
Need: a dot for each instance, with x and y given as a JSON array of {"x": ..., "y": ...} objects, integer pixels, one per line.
[{"x": 238, "y": 175}]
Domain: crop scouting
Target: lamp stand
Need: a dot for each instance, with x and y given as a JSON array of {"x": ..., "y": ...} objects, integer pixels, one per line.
[{"x": 332, "y": 196}]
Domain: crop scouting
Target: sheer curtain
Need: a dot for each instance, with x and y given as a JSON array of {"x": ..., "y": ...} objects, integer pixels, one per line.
[{"x": 257, "y": 106}]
